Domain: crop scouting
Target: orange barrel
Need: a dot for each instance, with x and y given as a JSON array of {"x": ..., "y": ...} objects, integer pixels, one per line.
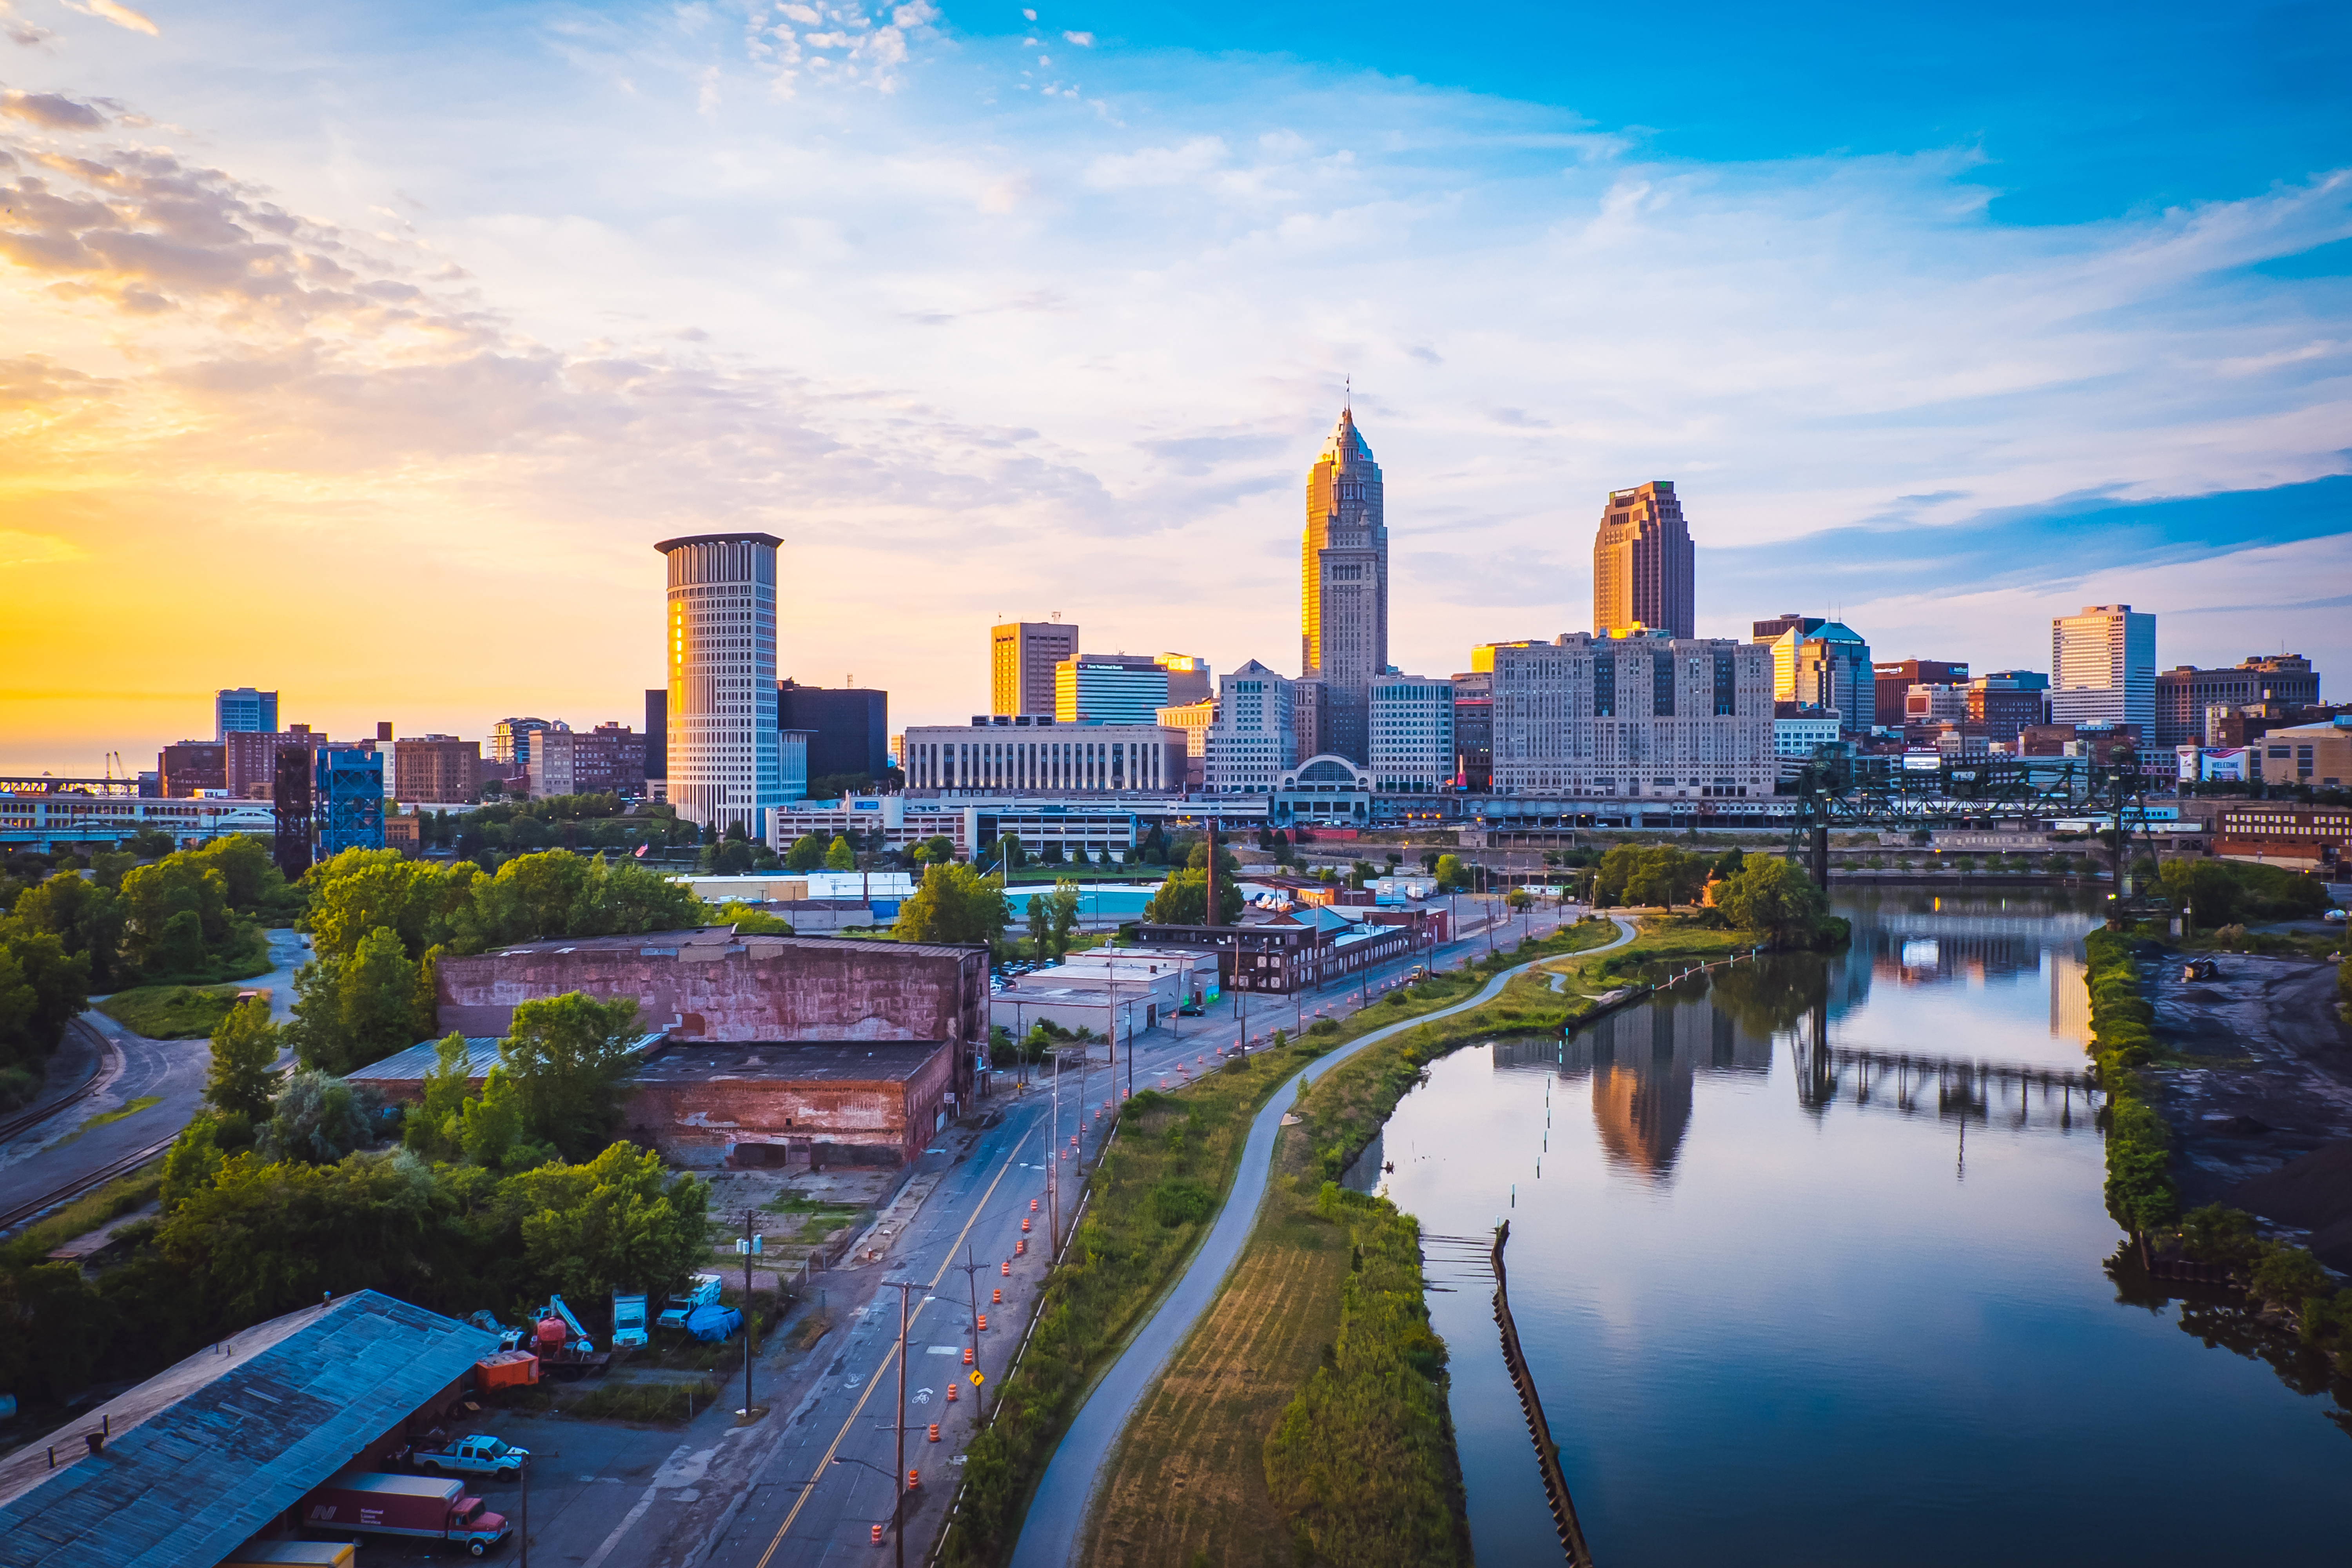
[
  {"x": 999, "y": 1300},
  {"x": 1025, "y": 1224},
  {"x": 877, "y": 1535},
  {"x": 983, "y": 1322},
  {"x": 913, "y": 1481},
  {"x": 952, "y": 1391},
  {"x": 935, "y": 1431},
  {"x": 967, "y": 1355},
  {"x": 1033, "y": 1206},
  {"x": 1007, "y": 1267},
  {"x": 1021, "y": 1249}
]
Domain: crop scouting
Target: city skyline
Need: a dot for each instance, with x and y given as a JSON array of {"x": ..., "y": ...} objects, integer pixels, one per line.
[{"x": 434, "y": 402}]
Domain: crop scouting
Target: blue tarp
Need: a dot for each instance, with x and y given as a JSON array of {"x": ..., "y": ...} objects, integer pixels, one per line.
[{"x": 713, "y": 1323}]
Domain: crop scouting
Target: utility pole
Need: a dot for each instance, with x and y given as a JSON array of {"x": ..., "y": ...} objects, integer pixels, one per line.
[
  {"x": 1053, "y": 1175},
  {"x": 899, "y": 1431},
  {"x": 969, "y": 1269},
  {"x": 750, "y": 1247}
]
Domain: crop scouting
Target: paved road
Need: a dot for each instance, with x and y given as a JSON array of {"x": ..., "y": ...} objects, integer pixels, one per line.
[
  {"x": 769, "y": 1493},
  {"x": 64, "y": 1154},
  {"x": 1055, "y": 1524}
]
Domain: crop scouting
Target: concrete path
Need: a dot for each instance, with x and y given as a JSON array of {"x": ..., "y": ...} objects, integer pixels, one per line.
[{"x": 1054, "y": 1527}]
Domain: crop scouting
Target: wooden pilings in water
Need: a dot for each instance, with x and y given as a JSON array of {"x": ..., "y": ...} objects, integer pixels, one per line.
[{"x": 1555, "y": 1479}]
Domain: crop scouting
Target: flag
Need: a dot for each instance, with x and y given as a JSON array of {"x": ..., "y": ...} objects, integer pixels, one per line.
[{"x": 641, "y": 850}]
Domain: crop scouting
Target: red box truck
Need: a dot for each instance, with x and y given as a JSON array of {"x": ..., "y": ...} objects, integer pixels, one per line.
[{"x": 420, "y": 1506}]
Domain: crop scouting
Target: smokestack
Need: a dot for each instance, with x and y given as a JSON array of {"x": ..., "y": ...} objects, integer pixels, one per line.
[{"x": 1209, "y": 915}]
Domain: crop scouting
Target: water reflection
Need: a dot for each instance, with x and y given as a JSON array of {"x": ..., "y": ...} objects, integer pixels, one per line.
[
  {"x": 1838, "y": 1216},
  {"x": 1644, "y": 1063}
]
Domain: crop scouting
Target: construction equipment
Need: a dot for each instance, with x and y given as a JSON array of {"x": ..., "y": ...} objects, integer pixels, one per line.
[
  {"x": 508, "y": 1339},
  {"x": 565, "y": 1349}
]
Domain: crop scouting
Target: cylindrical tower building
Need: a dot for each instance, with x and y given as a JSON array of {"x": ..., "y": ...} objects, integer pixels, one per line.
[{"x": 724, "y": 761}]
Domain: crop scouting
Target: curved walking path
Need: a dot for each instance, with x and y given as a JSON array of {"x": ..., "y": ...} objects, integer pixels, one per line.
[{"x": 1057, "y": 1518}]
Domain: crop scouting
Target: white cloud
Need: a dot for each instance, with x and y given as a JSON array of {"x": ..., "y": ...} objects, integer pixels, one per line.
[
  {"x": 1056, "y": 361},
  {"x": 111, "y": 11},
  {"x": 1083, "y": 40}
]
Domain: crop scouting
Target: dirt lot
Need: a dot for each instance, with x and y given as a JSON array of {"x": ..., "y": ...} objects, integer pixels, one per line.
[
  {"x": 2262, "y": 1109},
  {"x": 1189, "y": 1477}
]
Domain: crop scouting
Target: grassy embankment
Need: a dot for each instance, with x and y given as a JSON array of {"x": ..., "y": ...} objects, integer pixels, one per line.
[
  {"x": 1306, "y": 1419},
  {"x": 171, "y": 1012},
  {"x": 1150, "y": 1199}
]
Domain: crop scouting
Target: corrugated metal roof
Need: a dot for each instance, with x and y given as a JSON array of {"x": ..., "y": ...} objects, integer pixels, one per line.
[{"x": 203, "y": 1456}]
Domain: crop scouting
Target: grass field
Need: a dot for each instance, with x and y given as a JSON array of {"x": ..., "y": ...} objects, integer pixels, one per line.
[
  {"x": 1190, "y": 1477},
  {"x": 86, "y": 1214},
  {"x": 171, "y": 1012}
]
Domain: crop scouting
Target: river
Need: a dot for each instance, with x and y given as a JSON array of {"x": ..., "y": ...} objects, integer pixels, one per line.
[{"x": 1807, "y": 1263}]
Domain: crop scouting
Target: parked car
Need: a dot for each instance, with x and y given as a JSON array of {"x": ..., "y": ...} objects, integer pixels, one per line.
[
  {"x": 702, "y": 1290},
  {"x": 479, "y": 1455}
]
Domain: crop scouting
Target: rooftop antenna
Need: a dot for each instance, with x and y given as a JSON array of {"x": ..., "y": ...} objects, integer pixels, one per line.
[{"x": 1348, "y": 394}]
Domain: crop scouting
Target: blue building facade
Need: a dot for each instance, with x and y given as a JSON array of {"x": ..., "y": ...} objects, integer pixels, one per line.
[{"x": 350, "y": 801}]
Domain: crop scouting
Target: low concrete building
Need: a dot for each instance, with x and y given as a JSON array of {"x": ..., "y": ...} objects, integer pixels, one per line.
[
  {"x": 775, "y": 1103},
  {"x": 1134, "y": 992},
  {"x": 710, "y": 985}
]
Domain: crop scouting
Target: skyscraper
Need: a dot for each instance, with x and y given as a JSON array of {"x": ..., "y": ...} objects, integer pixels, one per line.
[
  {"x": 1343, "y": 572},
  {"x": 723, "y": 751},
  {"x": 1642, "y": 566},
  {"x": 2103, "y": 668},
  {"x": 1021, "y": 659},
  {"x": 243, "y": 711}
]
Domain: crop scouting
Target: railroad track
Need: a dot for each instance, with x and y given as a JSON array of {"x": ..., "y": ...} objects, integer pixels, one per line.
[
  {"x": 24, "y": 1121},
  {"x": 32, "y": 1208}
]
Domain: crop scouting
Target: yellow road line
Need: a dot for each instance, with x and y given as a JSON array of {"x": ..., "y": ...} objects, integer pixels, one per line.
[{"x": 874, "y": 1381}]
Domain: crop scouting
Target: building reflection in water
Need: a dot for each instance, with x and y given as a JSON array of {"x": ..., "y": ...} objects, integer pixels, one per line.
[{"x": 1645, "y": 1062}]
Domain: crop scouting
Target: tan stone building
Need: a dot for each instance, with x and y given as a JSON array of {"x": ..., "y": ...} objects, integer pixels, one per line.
[{"x": 1642, "y": 567}]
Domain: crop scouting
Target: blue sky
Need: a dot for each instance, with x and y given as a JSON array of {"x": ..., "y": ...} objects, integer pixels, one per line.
[{"x": 1947, "y": 319}]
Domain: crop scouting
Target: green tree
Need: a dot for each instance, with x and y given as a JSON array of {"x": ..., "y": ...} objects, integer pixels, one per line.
[
  {"x": 1011, "y": 853},
  {"x": 42, "y": 986},
  {"x": 955, "y": 903},
  {"x": 1450, "y": 873},
  {"x": 84, "y": 917},
  {"x": 618, "y": 1221},
  {"x": 1774, "y": 901},
  {"x": 568, "y": 1056},
  {"x": 319, "y": 1118},
  {"x": 1183, "y": 900},
  {"x": 349, "y": 1012},
  {"x": 436, "y": 1128},
  {"x": 244, "y": 1076},
  {"x": 839, "y": 855},
  {"x": 491, "y": 1126},
  {"x": 191, "y": 1162},
  {"x": 174, "y": 913},
  {"x": 361, "y": 890}
]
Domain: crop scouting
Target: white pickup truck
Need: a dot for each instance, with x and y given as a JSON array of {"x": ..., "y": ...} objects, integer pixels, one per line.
[{"x": 476, "y": 1456}]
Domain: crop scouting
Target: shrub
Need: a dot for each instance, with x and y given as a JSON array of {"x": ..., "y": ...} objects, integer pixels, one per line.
[{"x": 1180, "y": 1200}]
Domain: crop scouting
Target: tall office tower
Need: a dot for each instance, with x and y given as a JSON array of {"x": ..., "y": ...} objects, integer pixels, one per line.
[
  {"x": 657, "y": 742},
  {"x": 723, "y": 752},
  {"x": 1641, "y": 564},
  {"x": 242, "y": 710},
  {"x": 1827, "y": 667},
  {"x": 1253, "y": 737},
  {"x": 2103, "y": 668},
  {"x": 1021, "y": 659},
  {"x": 1343, "y": 572},
  {"x": 1474, "y": 729},
  {"x": 1110, "y": 688},
  {"x": 1644, "y": 715}
]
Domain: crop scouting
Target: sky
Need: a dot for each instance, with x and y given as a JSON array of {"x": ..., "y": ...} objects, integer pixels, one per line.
[{"x": 363, "y": 353}]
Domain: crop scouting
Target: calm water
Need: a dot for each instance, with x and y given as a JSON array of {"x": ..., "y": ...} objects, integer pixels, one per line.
[{"x": 1800, "y": 1282}]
